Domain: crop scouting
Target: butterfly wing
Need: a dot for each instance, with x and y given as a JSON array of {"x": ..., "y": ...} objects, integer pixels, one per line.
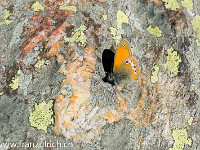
[
  {"x": 122, "y": 53},
  {"x": 127, "y": 70},
  {"x": 108, "y": 62}
]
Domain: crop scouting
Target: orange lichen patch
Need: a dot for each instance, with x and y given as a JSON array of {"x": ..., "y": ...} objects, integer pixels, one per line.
[
  {"x": 40, "y": 28},
  {"x": 122, "y": 104},
  {"x": 75, "y": 72},
  {"x": 133, "y": 115},
  {"x": 53, "y": 41},
  {"x": 68, "y": 125},
  {"x": 72, "y": 110},
  {"x": 55, "y": 37},
  {"x": 59, "y": 58},
  {"x": 33, "y": 41},
  {"x": 111, "y": 117},
  {"x": 61, "y": 99},
  {"x": 158, "y": 2}
]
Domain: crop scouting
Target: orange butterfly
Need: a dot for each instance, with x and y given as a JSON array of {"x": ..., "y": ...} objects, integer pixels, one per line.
[{"x": 120, "y": 66}]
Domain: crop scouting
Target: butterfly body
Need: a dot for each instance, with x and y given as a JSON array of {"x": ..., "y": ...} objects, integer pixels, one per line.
[{"x": 125, "y": 67}]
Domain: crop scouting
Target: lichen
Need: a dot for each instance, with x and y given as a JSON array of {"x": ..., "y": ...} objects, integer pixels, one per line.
[
  {"x": 187, "y": 4},
  {"x": 15, "y": 81},
  {"x": 121, "y": 18},
  {"x": 37, "y": 6},
  {"x": 196, "y": 25},
  {"x": 41, "y": 117},
  {"x": 173, "y": 61},
  {"x": 5, "y": 17},
  {"x": 197, "y": 42},
  {"x": 78, "y": 36},
  {"x": 1, "y": 93},
  {"x": 39, "y": 64},
  {"x": 172, "y": 4},
  {"x": 154, "y": 76},
  {"x": 113, "y": 32},
  {"x": 156, "y": 31},
  {"x": 181, "y": 138},
  {"x": 105, "y": 17},
  {"x": 190, "y": 121},
  {"x": 72, "y": 8}
]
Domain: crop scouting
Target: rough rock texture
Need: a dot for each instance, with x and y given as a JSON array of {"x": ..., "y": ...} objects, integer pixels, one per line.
[{"x": 48, "y": 53}]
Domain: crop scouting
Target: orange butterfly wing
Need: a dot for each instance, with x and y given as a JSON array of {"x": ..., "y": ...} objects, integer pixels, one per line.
[
  {"x": 122, "y": 53},
  {"x": 125, "y": 66},
  {"x": 127, "y": 70}
]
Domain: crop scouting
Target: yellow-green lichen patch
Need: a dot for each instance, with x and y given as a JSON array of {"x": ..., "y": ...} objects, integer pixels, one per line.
[
  {"x": 154, "y": 76},
  {"x": 5, "y": 17},
  {"x": 37, "y": 6},
  {"x": 121, "y": 18},
  {"x": 173, "y": 61},
  {"x": 197, "y": 42},
  {"x": 190, "y": 121},
  {"x": 181, "y": 139},
  {"x": 156, "y": 31},
  {"x": 78, "y": 36},
  {"x": 41, "y": 117},
  {"x": 187, "y": 4},
  {"x": 172, "y": 4},
  {"x": 113, "y": 32},
  {"x": 132, "y": 50},
  {"x": 1, "y": 93},
  {"x": 105, "y": 17},
  {"x": 39, "y": 64},
  {"x": 72, "y": 8},
  {"x": 196, "y": 25},
  {"x": 15, "y": 81}
]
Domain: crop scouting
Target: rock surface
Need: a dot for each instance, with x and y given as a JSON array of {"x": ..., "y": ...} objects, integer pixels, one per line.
[{"x": 52, "y": 50}]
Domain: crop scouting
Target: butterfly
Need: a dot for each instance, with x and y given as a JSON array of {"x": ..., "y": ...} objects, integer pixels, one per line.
[{"x": 119, "y": 66}]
